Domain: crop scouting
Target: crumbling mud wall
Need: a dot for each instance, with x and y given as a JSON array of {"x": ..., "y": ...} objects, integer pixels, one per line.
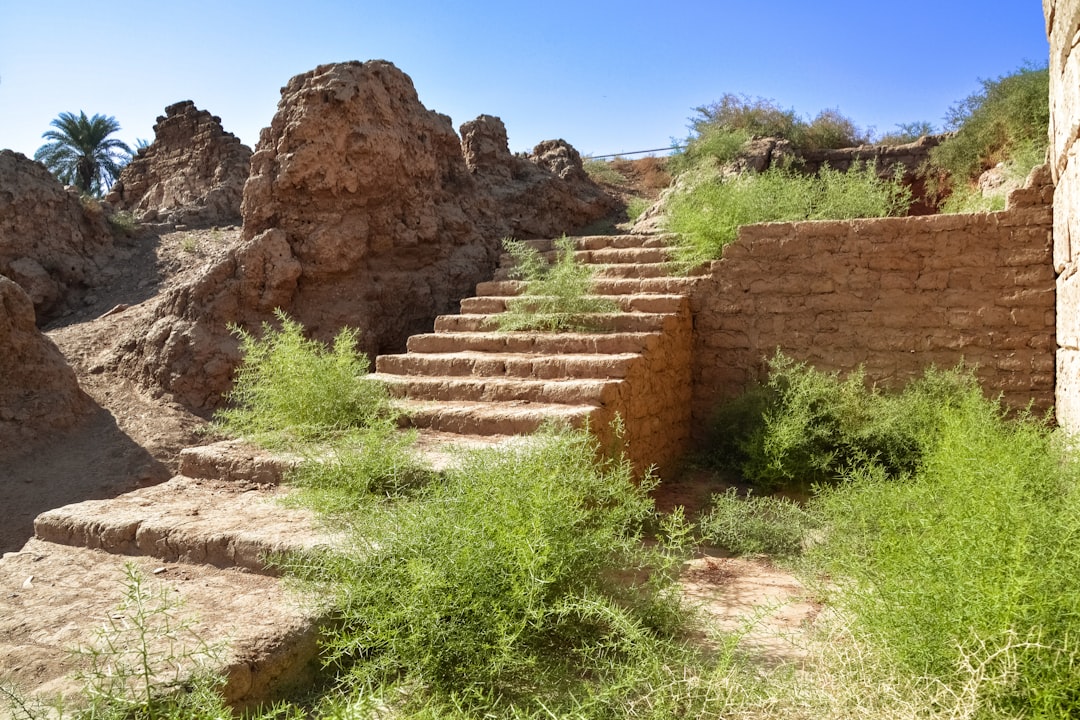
[
  {"x": 1062, "y": 28},
  {"x": 38, "y": 389},
  {"x": 894, "y": 295},
  {"x": 51, "y": 243},
  {"x": 193, "y": 171}
]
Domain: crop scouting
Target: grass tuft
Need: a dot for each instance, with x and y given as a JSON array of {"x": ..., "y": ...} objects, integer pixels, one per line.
[{"x": 556, "y": 296}]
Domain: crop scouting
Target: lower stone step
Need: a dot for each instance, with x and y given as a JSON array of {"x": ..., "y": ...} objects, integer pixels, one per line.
[
  {"x": 598, "y": 242},
  {"x": 575, "y": 391},
  {"x": 533, "y": 342},
  {"x": 55, "y": 599},
  {"x": 218, "y": 523},
  {"x": 490, "y": 365},
  {"x": 504, "y": 418},
  {"x": 667, "y": 285},
  {"x": 644, "y": 303},
  {"x": 599, "y": 322}
]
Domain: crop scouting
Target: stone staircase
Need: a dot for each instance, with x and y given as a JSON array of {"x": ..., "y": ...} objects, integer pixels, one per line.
[
  {"x": 468, "y": 378},
  {"x": 203, "y": 537}
]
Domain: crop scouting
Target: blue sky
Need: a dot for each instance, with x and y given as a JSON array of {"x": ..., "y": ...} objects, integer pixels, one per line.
[{"x": 606, "y": 76}]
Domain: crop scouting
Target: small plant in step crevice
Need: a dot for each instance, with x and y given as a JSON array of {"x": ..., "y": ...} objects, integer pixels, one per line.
[{"x": 556, "y": 295}]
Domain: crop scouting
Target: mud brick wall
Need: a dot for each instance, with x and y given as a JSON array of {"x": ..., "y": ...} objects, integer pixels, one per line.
[
  {"x": 1062, "y": 26},
  {"x": 894, "y": 295}
]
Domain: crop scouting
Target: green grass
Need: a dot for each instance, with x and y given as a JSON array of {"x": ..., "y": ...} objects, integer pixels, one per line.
[
  {"x": 748, "y": 525},
  {"x": 291, "y": 390},
  {"x": 556, "y": 296},
  {"x": 518, "y": 582},
  {"x": 601, "y": 171},
  {"x": 802, "y": 426},
  {"x": 972, "y": 559},
  {"x": 708, "y": 215}
]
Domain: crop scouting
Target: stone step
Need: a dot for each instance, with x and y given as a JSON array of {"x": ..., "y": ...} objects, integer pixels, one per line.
[
  {"x": 533, "y": 342},
  {"x": 649, "y": 303},
  {"x": 617, "y": 270},
  {"x": 56, "y": 598},
  {"x": 235, "y": 461},
  {"x": 481, "y": 364},
  {"x": 667, "y": 285},
  {"x": 602, "y": 256},
  {"x": 501, "y": 418},
  {"x": 599, "y": 242},
  {"x": 598, "y": 322},
  {"x": 467, "y": 389},
  {"x": 213, "y": 522}
]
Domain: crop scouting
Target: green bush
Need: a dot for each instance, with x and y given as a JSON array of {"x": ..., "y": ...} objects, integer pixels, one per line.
[
  {"x": 1007, "y": 118},
  {"x": 719, "y": 130},
  {"x": 751, "y": 525},
  {"x": 556, "y": 296},
  {"x": 290, "y": 389},
  {"x": 968, "y": 568},
  {"x": 602, "y": 171},
  {"x": 803, "y": 426},
  {"x": 907, "y": 133},
  {"x": 522, "y": 571},
  {"x": 708, "y": 215}
]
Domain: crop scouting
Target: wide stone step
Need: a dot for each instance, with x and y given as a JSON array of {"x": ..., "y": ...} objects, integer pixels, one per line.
[
  {"x": 647, "y": 303},
  {"x": 504, "y": 418},
  {"x": 56, "y": 598},
  {"x": 235, "y": 461},
  {"x": 667, "y": 285},
  {"x": 533, "y": 342},
  {"x": 602, "y": 256},
  {"x": 598, "y": 322},
  {"x": 460, "y": 389},
  {"x": 214, "y": 522},
  {"x": 618, "y": 270},
  {"x": 599, "y": 242},
  {"x": 525, "y": 365}
]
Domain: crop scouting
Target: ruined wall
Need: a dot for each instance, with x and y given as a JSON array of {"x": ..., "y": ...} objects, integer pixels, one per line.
[
  {"x": 894, "y": 295},
  {"x": 1062, "y": 26},
  {"x": 193, "y": 172}
]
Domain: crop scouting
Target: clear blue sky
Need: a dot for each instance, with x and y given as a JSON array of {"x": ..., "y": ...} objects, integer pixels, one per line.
[{"x": 606, "y": 76}]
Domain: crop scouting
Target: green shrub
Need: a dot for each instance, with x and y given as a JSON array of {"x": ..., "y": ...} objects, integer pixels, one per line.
[
  {"x": 708, "y": 215},
  {"x": 907, "y": 133},
  {"x": 556, "y": 296},
  {"x": 290, "y": 389},
  {"x": 636, "y": 207},
  {"x": 754, "y": 525},
  {"x": 1007, "y": 118},
  {"x": 522, "y": 571},
  {"x": 719, "y": 130},
  {"x": 601, "y": 171},
  {"x": 803, "y": 426},
  {"x": 969, "y": 566}
]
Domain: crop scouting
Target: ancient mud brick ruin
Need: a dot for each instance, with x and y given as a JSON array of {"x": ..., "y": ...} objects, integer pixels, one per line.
[{"x": 193, "y": 171}]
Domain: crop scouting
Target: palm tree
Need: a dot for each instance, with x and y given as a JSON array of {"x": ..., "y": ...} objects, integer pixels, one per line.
[{"x": 82, "y": 153}]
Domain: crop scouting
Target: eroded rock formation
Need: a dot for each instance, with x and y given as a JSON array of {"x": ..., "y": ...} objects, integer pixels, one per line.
[
  {"x": 193, "y": 172},
  {"x": 539, "y": 195},
  {"x": 39, "y": 392},
  {"x": 51, "y": 243},
  {"x": 360, "y": 211}
]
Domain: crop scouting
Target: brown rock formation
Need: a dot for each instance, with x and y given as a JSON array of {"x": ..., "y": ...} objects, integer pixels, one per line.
[
  {"x": 50, "y": 242},
  {"x": 193, "y": 172},
  {"x": 360, "y": 211},
  {"x": 543, "y": 194},
  {"x": 39, "y": 392}
]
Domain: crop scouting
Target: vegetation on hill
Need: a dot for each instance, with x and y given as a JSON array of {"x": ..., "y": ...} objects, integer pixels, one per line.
[
  {"x": 1004, "y": 122},
  {"x": 82, "y": 154}
]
